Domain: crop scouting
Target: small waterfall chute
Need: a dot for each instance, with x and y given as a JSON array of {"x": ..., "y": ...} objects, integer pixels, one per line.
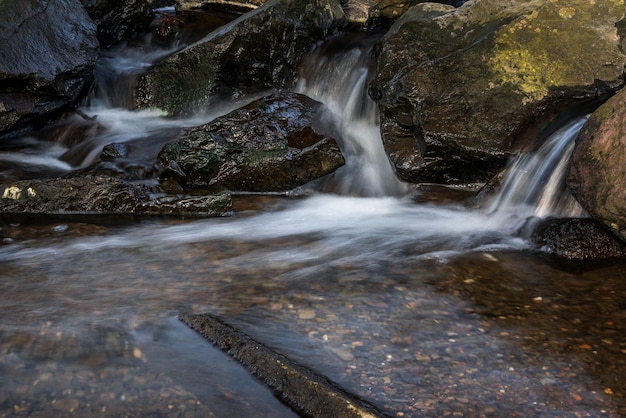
[
  {"x": 534, "y": 184},
  {"x": 338, "y": 77}
]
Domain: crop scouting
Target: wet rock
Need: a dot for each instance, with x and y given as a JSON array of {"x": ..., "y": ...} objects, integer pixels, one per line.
[
  {"x": 258, "y": 52},
  {"x": 43, "y": 72},
  {"x": 306, "y": 391},
  {"x": 268, "y": 145},
  {"x": 361, "y": 12},
  {"x": 577, "y": 239},
  {"x": 104, "y": 196},
  {"x": 227, "y": 5},
  {"x": 597, "y": 175},
  {"x": 460, "y": 88},
  {"x": 115, "y": 150},
  {"x": 393, "y": 9},
  {"x": 118, "y": 19}
]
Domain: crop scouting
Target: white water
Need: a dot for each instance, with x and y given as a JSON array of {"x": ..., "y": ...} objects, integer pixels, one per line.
[
  {"x": 535, "y": 183},
  {"x": 340, "y": 80}
]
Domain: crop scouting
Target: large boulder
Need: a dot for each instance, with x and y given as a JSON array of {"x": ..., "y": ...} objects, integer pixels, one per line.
[
  {"x": 118, "y": 20},
  {"x": 460, "y": 88},
  {"x": 260, "y": 51},
  {"x": 48, "y": 51},
  {"x": 94, "y": 195},
  {"x": 268, "y": 145},
  {"x": 597, "y": 175}
]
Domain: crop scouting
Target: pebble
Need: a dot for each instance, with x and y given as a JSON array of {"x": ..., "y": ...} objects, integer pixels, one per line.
[
  {"x": 66, "y": 405},
  {"x": 306, "y": 314},
  {"x": 343, "y": 354}
]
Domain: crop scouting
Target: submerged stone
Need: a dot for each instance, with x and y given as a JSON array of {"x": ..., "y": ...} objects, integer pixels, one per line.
[{"x": 303, "y": 389}]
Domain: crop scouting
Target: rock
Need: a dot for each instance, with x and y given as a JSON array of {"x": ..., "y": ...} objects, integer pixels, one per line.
[
  {"x": 597, "y": 173},
  {"x": 43, "y": 72},
  {"x": 157, "y": 4},
  {"x": 357, "y": 11},
  {"x": 104, "y": 196},
  {"x": 118, "y": 20},
  {"x": 393, "y": 9},
  {"x": 226, "y": 5},
  {"x": 115, "y": 150},
  {"x": 258, "y": 52},
  {"x": 577, "y": 239},
  {"x": 307, "y": 392},
  {"x": 461, "y": 88},
  {"x": 361, "y": 12},
  {"x": 268, "y": 145}
]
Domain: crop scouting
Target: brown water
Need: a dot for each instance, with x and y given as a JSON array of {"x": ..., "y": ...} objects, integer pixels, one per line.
[{"x": 420, "y": 319}]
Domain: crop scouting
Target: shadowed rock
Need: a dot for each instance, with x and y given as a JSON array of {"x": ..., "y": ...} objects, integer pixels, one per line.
[
  {"x": 577, "y": 239},
  {"x": 118, "y": 19},
  {"x": 48, "y": 51}
]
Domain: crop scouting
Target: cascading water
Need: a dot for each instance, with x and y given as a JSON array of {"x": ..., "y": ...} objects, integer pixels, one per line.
[
  {"x": 534, "y": 184},
  {"x": 338, "y": 77}
]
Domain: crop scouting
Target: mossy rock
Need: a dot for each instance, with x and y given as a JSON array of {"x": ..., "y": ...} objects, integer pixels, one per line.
[
  {"x": 258, "y": 52},
  {"x": 477, "y": 82}
]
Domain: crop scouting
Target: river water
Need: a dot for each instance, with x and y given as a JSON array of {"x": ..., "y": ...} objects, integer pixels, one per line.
[{"x": 403, "y": 296}]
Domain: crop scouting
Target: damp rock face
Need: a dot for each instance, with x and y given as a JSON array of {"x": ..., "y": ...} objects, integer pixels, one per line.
[
  {"x": 43, "y": 72},
  {"x": 460, "y": 88},
  {"x": 597, "y": 175},
  {"x": 258, "y": 52},
  {"x": 268, "y": 145}
]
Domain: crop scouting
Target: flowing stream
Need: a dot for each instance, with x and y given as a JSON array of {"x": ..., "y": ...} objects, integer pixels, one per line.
[{"x": 422, "y": 308}]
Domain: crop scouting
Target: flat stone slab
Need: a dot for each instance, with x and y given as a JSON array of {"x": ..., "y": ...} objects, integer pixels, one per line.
[{"x": 304, "y": 390}]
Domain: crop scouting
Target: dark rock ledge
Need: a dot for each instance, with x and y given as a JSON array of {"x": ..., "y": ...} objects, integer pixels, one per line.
[
  {"x": 309, "y": 393},
  {"x": 94, "y": 195}
]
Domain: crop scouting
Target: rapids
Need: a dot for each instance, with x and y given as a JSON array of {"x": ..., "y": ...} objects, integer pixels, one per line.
[{"x": 423, "y": 308}]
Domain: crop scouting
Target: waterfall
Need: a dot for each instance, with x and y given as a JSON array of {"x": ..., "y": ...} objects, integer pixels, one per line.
[
  {"x": 336, "y": 73},
  {"x": 338, "y": 77},
  {"x": 534, "y": 184}
]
